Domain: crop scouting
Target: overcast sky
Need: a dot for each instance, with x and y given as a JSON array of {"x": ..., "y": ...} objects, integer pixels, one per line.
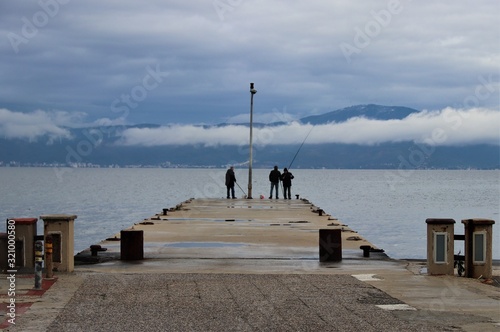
[{"x": 190, "y": 62}]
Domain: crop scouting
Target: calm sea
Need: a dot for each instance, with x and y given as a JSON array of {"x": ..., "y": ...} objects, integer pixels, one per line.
[{"x": 388, "y": 207}]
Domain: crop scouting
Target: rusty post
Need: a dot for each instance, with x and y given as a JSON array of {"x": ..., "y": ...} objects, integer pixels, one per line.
[
  {"x": 38, "y": 264},
  {"x": 330, "y": 245},
  {"x": 132, "y": 244}
]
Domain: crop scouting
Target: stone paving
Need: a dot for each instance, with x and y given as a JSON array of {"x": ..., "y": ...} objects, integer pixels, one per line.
[{"x": 232, "y": 302}]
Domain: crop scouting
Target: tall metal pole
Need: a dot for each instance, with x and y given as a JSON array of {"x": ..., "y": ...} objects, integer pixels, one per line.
[{"x": 252, "y": 92}]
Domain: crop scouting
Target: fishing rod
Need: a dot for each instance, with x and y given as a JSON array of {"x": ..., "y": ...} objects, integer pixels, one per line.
[
  {"x": 300, "y": 147},
  {"x": 240, "y": 188},
  {"x": 296, "y": 153}
]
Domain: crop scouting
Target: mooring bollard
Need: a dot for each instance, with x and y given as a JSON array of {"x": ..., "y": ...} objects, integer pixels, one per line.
[
  {"x": 38, "y": 264},
  {"x": 95, "y": 248},
  {"x": 165, "y": 211},
  {"x": 366, "y": 250},
  {"x": 48, "y": 257}
]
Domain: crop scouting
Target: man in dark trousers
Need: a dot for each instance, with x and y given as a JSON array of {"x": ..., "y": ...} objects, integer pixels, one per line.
[
  {"x": 274, "y": 177},
  {"x": 287, "y": 177},
  {"x": 230, "y": 181}
]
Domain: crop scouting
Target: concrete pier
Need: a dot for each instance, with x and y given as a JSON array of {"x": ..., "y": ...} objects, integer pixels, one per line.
[
  {"x": 238, "y": 235},
  {"x": 253, "y": 265}
]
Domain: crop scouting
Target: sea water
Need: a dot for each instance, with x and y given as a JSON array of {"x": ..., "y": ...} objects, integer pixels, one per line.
[{"x": 388, "y": 207}]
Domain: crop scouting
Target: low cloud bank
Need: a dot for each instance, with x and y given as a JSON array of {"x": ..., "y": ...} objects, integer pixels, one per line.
[
  {"x": 445, "y": 127},
  {"x": 33, "y": 125}
]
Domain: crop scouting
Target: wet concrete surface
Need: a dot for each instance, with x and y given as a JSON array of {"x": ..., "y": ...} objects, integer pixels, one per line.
[{"x": 260, "y": 272}]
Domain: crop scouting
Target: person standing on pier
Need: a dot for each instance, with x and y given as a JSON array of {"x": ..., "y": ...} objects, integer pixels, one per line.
[
  {"x": 286, "y": 178},
  {"x": 274, "y": 178},
  {"x": 230, "y": 181}
]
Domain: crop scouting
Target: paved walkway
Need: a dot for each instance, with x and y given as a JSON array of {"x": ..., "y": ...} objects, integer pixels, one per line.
[
  {"x": 217, "y": 265},
  {"x": 232, "y": 302},
  {"x": 393, "y": 301}
]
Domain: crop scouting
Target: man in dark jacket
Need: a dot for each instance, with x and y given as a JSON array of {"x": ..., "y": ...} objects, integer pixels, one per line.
[
  {"x": 274, "y": 178},
  {"x": 287, "y": 183},
  {"x": 230, "y": 181}
]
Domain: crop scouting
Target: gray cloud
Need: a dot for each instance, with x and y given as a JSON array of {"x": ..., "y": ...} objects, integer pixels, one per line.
[
  {"x": 86, "y": 55},
  {"x": 440, "y": 127},
  {"x": 33, "y": 125}
]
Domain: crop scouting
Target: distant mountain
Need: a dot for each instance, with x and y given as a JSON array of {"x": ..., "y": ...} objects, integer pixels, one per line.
[
  {"x": 97, "y": 146},
  {"x": 370, "y": 111}
]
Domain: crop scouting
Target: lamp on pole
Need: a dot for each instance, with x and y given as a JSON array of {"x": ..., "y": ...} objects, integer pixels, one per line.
[{"x": 252, "y": 92}]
